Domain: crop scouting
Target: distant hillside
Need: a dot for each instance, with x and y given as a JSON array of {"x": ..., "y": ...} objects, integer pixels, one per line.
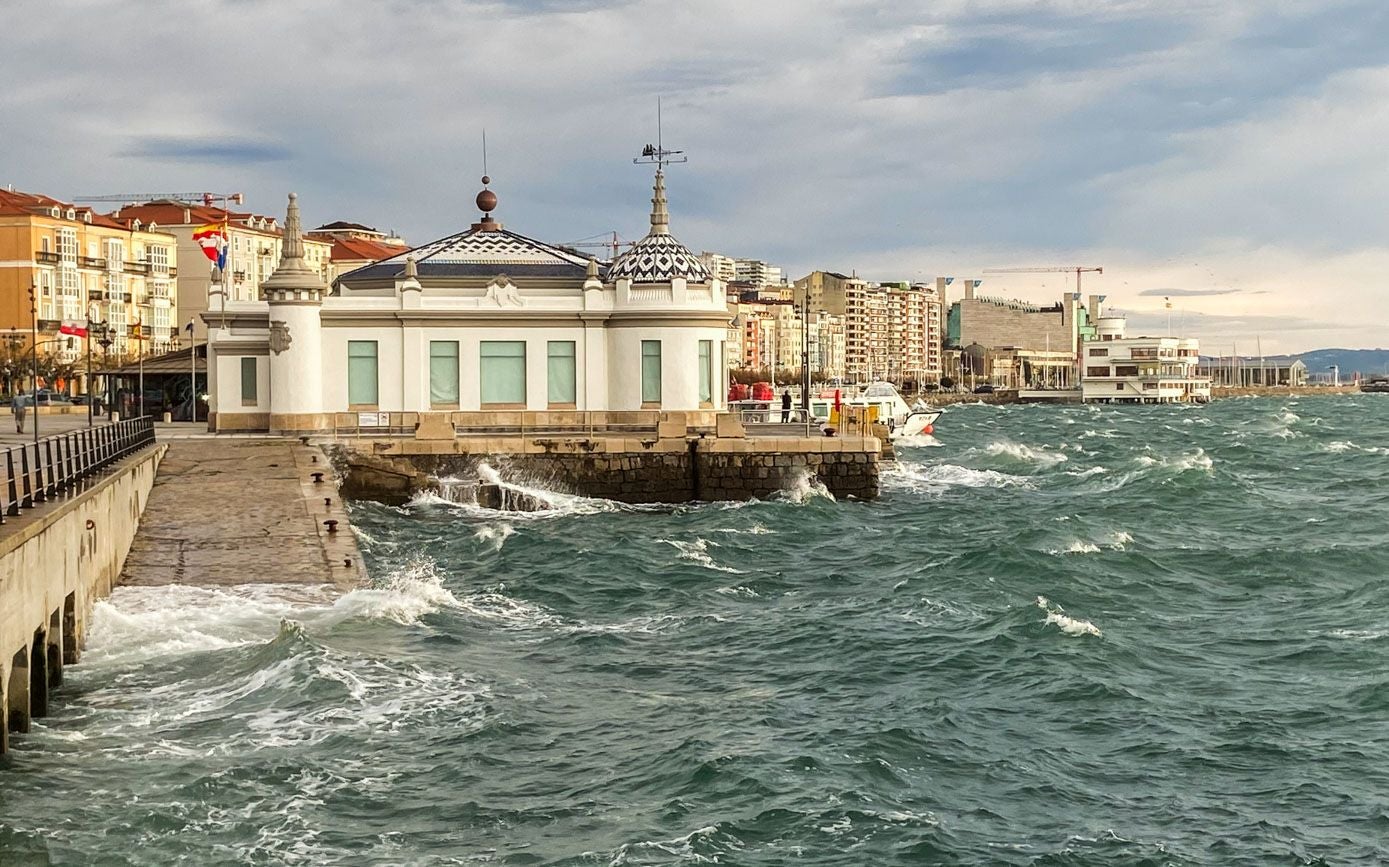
[{"x": 1351, "y": 361}]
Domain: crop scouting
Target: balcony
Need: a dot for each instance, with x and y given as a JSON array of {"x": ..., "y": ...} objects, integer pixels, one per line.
[
  {"x": 46, "y": 257},
  {"x": 137, "y": 268},
  {"x": 91, "y": 262},
  {"x": 96, "y": 294}
]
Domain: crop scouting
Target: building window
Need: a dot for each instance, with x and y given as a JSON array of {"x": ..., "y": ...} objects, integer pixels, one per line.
[
  {"x": 1126, "y": 370},
  {"x": 503, "y": 372},
  {"x": 706, "y": 371},
  {"x": 248, "y": 380},
  {"x": 1118, "y": 386},
  {"x": 651, "y": 371},
  {"x": 561, "y": 374},
  {"x": 1096, "y": 353},
  {"x": 443, "y": 373},
  {"x": 1097, "y": 371},
  {"x": 361, "y": 373}
]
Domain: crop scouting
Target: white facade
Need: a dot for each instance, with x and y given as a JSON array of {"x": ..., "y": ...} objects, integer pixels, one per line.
[
  {"x": 485, "y": 320},
  {"x": 1118, "y": 369}
]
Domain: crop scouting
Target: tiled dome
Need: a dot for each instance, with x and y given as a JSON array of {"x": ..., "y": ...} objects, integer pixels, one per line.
[{"x": 659, "y": 257}]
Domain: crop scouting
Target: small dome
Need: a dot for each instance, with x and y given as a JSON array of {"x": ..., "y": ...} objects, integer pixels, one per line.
[{"x": 659, "y": 258}]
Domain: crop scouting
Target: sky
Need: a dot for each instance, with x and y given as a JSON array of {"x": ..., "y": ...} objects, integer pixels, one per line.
[{"x": 1228, "y": 155}]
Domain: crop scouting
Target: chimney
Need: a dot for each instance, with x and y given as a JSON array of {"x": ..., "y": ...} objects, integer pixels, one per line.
[
  {"x": 969, "y": 290},
  {"x": 1096, "y": 309}
]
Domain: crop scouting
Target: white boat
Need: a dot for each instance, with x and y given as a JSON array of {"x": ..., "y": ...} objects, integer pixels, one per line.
[{"x": 901, "y": 420}]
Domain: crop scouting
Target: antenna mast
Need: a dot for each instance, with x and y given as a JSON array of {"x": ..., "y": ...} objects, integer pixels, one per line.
[{"x": 657, "y": 154}]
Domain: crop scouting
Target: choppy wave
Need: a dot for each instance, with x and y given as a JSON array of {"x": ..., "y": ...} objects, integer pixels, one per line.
[
  {"x": 1056, "y": 616},
  {"x": 884, "y": 684}
]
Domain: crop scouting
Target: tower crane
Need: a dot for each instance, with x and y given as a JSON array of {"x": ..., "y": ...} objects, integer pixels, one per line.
[
  {"x": 1050, "y": 269},
  {"x": 135, "y": 198},
  {"x": 615, "y": 245}
]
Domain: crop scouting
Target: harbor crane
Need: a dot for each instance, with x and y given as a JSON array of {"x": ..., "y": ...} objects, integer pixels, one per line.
[
  {"x": 208, "y": 199},
  {"x": 1051, "y": 269}
]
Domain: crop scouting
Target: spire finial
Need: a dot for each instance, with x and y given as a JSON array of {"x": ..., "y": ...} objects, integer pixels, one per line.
[
  {"x": 660, "y": 214},
  {"x": 292, "y": 250}
]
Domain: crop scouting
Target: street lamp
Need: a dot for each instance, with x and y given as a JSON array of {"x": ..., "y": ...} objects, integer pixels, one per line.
[{"x": 100, "y": 331}]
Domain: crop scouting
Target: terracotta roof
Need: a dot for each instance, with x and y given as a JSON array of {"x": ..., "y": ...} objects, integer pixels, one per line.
[
  {"x": 170, "y": 213},
  {"x": 356, "y": 249},
  {"x": 17, "y": 203}
]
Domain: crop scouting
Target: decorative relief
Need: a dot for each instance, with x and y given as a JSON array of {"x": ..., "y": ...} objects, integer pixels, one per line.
[
  {"x": 501, "y": 292},
  {"x": 279, "y": 336}
]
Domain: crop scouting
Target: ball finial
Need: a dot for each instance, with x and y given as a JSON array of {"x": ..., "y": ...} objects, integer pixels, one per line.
[{"x": 486, "y": 201}]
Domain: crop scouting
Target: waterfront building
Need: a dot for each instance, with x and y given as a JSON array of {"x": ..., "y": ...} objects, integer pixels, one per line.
[
  {"x": 75, "y": 258},
  {"x": 721, "y": 267},
  {"x": 254, "y": 247},
  {"x": 1235, "y": 371},
  {"x": 827, "y": 345},
  {"x": 1120, "y": 369},
  {"x": 485, "y": 320}
]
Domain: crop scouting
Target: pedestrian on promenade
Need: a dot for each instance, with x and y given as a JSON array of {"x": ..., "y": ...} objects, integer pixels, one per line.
[
  {"x": 786, "y": 405},
  {"x": 19, "y": 406}
]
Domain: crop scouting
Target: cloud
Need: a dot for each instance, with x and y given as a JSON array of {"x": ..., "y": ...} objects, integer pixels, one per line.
[
  {"x": 899, "y": 140},
  {"x": 1190, "y": 293},
  {"x": 204, "y": 150}
]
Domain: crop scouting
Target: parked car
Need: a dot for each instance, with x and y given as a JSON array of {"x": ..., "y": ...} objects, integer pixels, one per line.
[
  {"x": 48, "y": 397},
  {"x": 984, "y": 389}
]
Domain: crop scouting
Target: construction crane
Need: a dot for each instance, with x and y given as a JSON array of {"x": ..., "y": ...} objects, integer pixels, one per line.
[
  {"x": 1050, "y": 269},
  {"x": 135, "y": 198},
  {"x": 591, "y": 242}
]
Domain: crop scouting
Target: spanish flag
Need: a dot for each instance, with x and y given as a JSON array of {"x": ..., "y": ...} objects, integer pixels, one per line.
[{"x": 213, "y": 239}]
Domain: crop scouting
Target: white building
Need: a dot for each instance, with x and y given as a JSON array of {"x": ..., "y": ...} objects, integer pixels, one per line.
[
  {"x": 1119, "y": 369},
  {"x": 483, "y": 320}
]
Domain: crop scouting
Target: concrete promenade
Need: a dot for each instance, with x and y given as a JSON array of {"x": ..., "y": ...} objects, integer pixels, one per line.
[{"x": 227, "y": 511}]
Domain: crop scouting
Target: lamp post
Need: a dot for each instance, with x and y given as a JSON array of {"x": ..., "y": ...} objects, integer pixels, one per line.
[{"x": 100, "y": 331}]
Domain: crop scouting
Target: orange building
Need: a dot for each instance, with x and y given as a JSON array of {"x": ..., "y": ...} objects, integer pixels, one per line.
[{"x": 79, "y": 262}]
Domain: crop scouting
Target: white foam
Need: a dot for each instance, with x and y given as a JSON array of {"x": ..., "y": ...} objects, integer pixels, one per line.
[
  {"x": 1119, "y": 540},
  {"x": 494, "y": 534},
  {"x": 805, "y": 486},
  {"x": 1078, "y": 547},
  {"x": 698, "y": 552},
  {"x": 1027, "y": 454},
  {"x": 917, "y": 441},
  {"x": 1056, "y": 616},
  {"x": 753, "y": 530},
  {"x": 1196, "y": 460},
  {"x": 1085, "y": 474},
  {"x": 935, "y": 478}
]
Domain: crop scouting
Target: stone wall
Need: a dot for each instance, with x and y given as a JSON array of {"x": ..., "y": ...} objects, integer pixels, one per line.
[
  {"x": 55, "y": 562},
  {"x": 661, "y": 471}
]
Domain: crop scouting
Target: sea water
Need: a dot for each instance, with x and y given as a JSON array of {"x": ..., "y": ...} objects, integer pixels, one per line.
[{"x": 1062, "y": 636}]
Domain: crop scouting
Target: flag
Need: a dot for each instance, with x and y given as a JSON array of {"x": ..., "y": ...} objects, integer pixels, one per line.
[
  {"x": 213, "y": 239},
  {"x": 75, "y": 327}
]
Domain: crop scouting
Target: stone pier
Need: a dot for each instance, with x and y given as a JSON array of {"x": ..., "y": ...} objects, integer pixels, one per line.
[{"x": 245, "y": 511}]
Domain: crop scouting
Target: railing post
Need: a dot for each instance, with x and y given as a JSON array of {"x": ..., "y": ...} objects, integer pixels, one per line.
[
  {"x": 52, "y": 470},
  {"x": 13, "y": 485},
  {"x": 40, "y": 491},
  {"x": 28, "y": 501}
]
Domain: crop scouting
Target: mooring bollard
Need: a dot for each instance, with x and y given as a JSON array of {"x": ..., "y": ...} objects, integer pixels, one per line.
[
  {"x": 317, "y": 478},
  {"x": 327, "y": 501},
  {"x": 332, "y": 525}
]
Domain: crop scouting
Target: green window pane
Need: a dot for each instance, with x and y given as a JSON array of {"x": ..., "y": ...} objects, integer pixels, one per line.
[
  {"x": 706, "y": 371},
  {"x": 361, "y": 373},
  {"x": 561, "y": 372},
  {"x": 651, "y": 371},
  {"x": 503, "y": 371},
  {"x": 248, "y": 380},
  {"x": 443, "y": 371}
]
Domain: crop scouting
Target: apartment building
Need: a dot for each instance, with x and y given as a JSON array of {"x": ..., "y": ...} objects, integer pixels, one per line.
[
  {"x": 353, "y": 245},
  {"x": 80, "y": 263},
  {"x": 254, "y": 249}
]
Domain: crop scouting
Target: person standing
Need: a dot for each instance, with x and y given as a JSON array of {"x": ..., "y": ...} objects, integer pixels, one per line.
[
  {"x": 19, "y": 406},
  {"x": 786, "y": 406}
]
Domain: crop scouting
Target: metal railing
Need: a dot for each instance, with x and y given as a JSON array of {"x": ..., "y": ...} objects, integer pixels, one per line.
[
  {"x": 37, "y": 473},
  {"x": 502, "y": 423}
]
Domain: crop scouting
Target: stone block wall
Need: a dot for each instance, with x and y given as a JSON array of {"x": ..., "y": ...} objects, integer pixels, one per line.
[{"x": 670, "y": 471}]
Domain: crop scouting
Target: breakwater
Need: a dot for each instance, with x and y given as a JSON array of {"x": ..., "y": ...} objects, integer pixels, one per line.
[
  {"x": 56, "y": 560},
  {"x": 626, "y": 470}
]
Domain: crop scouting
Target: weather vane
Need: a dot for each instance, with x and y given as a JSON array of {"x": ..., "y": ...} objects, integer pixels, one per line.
[{"x": 657, "y": 154}]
